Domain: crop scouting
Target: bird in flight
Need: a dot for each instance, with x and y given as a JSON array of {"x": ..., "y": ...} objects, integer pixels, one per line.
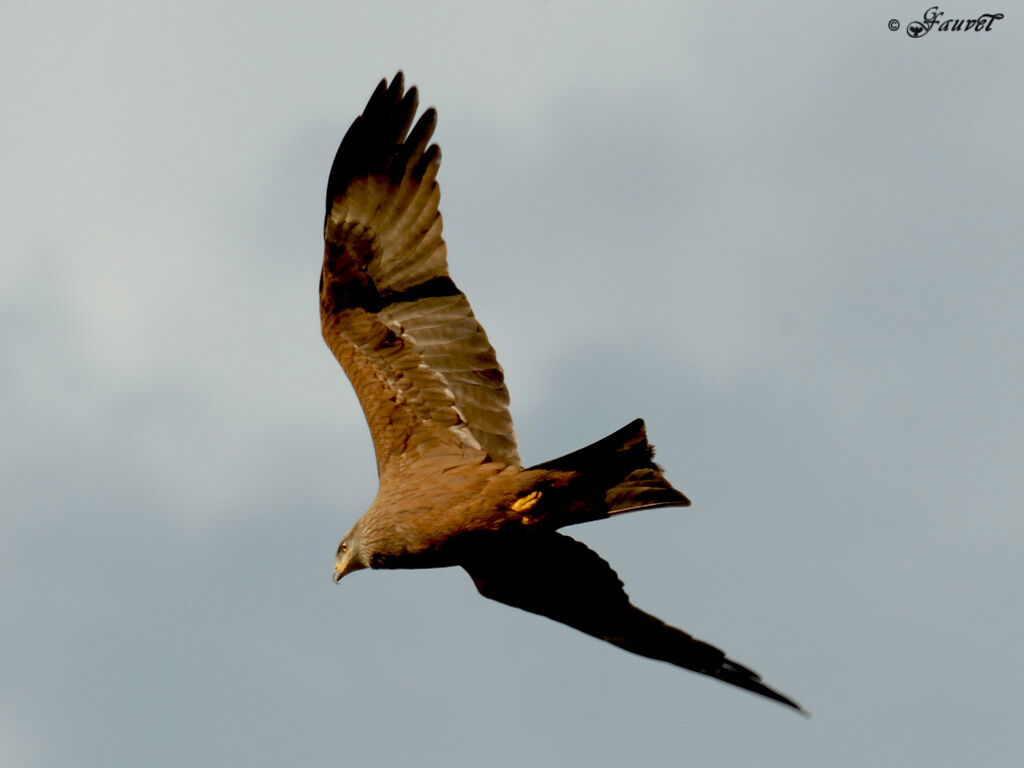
[{"x": 453, "y": 490}]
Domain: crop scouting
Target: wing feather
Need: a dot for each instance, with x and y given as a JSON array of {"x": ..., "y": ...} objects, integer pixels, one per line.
[
  {"x": 558, "y": 577},
  {"x": 425, "y": 374}
]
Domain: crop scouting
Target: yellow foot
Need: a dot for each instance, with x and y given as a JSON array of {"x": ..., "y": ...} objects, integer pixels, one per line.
[{"x": 529, "y": 501}]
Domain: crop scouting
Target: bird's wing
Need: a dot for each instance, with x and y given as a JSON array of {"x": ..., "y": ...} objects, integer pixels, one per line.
[
  {"x": 558, "y": 577},
  {"x": 426, "y": 375}
]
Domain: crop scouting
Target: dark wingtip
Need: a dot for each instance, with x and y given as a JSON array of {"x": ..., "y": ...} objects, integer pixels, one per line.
[
  {"x": 433, "y": 153},
  {"x": 742, "y": 677},
  {"x": 788, "y": 702},
  {"x": 397, "y": 86},
  {"x": 379, "y": 136}
]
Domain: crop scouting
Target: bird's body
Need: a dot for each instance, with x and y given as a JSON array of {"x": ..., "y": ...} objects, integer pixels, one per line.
[
  {"x": 429, "y": 514},
  {"x": 409, "y": 526},
  {"x": 453, "y": 491}
]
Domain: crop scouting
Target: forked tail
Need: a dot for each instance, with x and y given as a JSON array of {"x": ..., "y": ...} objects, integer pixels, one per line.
[{"x": 616, "y": 474}]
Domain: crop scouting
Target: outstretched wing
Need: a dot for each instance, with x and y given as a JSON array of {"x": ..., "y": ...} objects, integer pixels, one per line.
[
  {"x": 555, "y": 576},
  {"x": 422, "y": 367}
]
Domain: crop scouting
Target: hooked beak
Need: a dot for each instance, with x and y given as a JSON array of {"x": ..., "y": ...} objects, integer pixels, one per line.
[{"x": 343, "y": 566}]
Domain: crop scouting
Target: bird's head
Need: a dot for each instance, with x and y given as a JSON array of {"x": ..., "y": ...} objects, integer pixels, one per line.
[{"x": 351, "y": 555}]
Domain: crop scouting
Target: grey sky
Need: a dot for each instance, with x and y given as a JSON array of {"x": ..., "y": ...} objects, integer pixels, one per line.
[{"x": 788, "y": 238}]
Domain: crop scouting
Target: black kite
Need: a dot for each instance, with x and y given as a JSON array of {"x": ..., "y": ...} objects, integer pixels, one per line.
[{"x": 453, "y": 491}]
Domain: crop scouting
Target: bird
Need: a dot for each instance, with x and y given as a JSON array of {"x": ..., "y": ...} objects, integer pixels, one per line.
[{"x": 453, "y": 491}]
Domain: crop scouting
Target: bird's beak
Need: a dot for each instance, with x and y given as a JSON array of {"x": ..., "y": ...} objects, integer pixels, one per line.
[{"x": 343, "y": 566}]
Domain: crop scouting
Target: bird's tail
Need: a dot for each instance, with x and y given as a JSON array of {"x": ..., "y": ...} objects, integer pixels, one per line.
[{"x": 616, "y": 474}]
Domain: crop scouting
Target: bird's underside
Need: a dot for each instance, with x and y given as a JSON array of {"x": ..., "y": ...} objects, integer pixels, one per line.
[{"x": 452, "y": 488}]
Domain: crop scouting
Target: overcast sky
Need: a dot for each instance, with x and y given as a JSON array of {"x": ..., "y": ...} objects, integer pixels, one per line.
[{"x": 788, "y": 237}]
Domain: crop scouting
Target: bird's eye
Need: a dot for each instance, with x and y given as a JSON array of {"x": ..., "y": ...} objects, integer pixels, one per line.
[{"x": 343, "y": 547}]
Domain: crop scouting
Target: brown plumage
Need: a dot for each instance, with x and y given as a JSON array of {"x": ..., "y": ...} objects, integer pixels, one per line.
[{"x": 452, "y": 488}]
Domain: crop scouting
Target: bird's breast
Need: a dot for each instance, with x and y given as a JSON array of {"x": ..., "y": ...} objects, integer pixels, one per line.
[{"x": 426, "y": 522}]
